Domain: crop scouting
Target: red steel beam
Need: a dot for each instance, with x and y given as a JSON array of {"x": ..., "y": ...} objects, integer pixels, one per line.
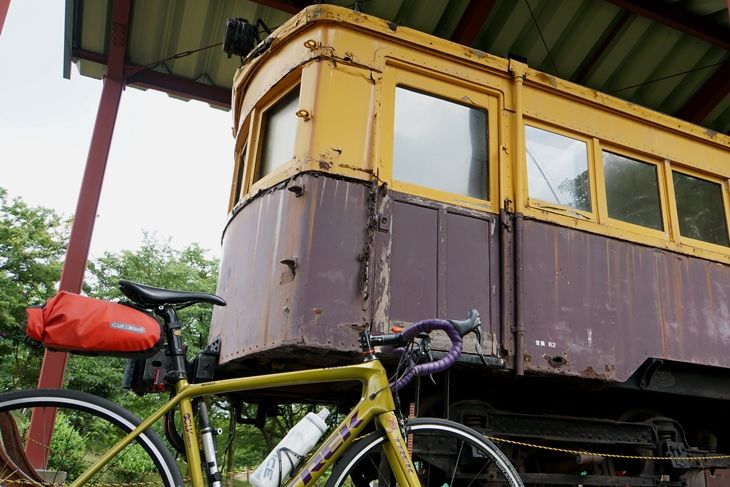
[
  {"x": 472, "y": 21},
  {"x": 5, "y": 6},
  {"x": 54, "y": 363},
  {"x": 708, "y": 96},
  {"x": 147, "y": 78},
  {"x": 678, "y": 18},
  {"x": 176, "y": 85}
]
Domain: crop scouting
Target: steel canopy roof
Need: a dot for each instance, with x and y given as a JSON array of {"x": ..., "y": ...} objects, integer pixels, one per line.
[{"x": 669, "y": 55}]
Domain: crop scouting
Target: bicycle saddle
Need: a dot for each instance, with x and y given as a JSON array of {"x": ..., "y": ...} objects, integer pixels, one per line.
[{"x": 148, "y": 296}]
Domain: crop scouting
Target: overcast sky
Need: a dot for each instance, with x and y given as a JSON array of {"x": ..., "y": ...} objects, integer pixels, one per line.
[{"x": 170, "y": 164}]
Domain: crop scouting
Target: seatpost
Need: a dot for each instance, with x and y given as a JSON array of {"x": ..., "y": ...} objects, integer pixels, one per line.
[{"x": 175, "y": 350}]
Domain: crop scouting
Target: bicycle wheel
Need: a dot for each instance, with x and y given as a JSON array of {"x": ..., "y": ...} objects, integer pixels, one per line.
[
  {"x": 85, "y": 427},
  {"x": 444, "y": 454}
]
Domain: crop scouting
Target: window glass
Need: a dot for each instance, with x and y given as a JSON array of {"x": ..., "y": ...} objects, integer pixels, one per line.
[
  {"x": 700, "y": 209},
  {"x": 440, "y": 144},
  {"x": 557, "y": 169},
  {"x": 632, "y": 191},
  {"x": 278, "y": 129}
]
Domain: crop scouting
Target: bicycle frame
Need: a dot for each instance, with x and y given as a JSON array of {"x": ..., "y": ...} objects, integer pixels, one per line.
[{"x": 376, "y": 403}]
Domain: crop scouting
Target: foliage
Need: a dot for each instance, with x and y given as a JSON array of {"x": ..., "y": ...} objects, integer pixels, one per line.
[
  {"x": 32, "y": 243},
  {"x": 133, "y": 464},
  {"x": 32, "y": 246},
  {"x": 67, "y": 448},
  {"x": 157, "y": 263}
]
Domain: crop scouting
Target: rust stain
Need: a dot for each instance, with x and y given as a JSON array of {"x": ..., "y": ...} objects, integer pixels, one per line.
[
  {"x": 325, "y": 165},
  {"x": 546, "y": 78},
  {"x": 476, "y": 52},
  {"x": 590, "y": 373}
]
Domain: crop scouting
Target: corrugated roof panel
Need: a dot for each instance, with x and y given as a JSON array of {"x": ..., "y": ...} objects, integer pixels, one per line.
[
  {"x": 641, "y": 50},
  {"x": 694, "y": 80},
  {"x": 603, "y": 73},
  {"x": 502, "y": 28},
  {"x": 554, "y": 20},
  {"x": 720, "y": 115},
  {"x": 585, "y": 29},
  {"x": 450, "y": 18},
  {"x": 424, "y": 18},
  {"x": 676, "y": 59},
  {"x": 383, "y": 10},
  {"x": 636, "y": 68}
]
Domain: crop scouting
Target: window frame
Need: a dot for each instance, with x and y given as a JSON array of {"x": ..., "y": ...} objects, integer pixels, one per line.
[
  {"x": 254, "y": 141},
  {"x": 238, "y": 182},
  {"x": 722, "y": 182},
  {"x": 449, "y": 89},
  {"x": 605, "y": 219},
  {"x": 547, "y": 206}
]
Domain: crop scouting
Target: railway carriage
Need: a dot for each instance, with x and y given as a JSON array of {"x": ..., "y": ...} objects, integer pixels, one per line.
[{"x": 384, "y": 176}]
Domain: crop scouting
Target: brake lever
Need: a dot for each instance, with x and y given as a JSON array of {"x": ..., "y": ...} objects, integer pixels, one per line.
[
  {"x": 424, "y": 350},
  {"x": 473, "y": 323}
]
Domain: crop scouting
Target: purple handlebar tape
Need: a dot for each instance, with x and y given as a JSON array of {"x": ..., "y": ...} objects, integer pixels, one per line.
[{"x": 432, "y": 367}]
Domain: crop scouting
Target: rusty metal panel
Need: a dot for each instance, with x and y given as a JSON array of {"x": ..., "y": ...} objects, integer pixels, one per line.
[
  {"x": 414, "y": 262},
  {"x": 598, "y": 307},
  {"x": 311, "y": 299},
  {"x": 442, "y": 262},
  {"x": 467, "y": 280},
  {"x": 717, "y": 478}
]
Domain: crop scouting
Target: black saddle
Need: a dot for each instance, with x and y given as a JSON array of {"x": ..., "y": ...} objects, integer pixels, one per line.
[{"x": 149, "y": 297}]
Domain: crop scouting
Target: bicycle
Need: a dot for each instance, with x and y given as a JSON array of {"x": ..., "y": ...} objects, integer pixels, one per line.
[{"x": 403, "y": 451}]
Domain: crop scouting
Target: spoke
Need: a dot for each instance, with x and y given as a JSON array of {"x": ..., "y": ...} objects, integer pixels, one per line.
[
  {"x": 476, "y": 476},
  {"x": 456, "y": 463}
]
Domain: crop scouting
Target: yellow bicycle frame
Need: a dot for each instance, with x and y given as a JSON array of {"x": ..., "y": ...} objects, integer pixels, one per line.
[{"x": 376, "y": 402}]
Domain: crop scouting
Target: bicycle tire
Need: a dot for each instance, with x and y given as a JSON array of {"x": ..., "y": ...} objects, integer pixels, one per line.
[
  {"x": 444, "y": 453},
  {"x": 87, "y": 421}
]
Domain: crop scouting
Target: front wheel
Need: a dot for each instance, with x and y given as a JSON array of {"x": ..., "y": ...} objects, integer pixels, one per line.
[
  {"x": 444, "y": 454},
  {"x": 84, "y": 427}
]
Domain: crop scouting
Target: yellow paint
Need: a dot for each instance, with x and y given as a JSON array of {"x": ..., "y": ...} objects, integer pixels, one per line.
[{"x": 348, "y": 66}]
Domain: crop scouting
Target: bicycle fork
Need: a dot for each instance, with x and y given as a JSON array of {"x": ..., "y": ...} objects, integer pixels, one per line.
[{"x": 396, "y": 450}]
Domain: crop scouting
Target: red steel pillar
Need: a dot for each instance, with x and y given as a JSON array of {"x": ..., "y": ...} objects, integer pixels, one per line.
[
  {"x": 54, "y": 363},
  {"x": 5, "y": 5}
]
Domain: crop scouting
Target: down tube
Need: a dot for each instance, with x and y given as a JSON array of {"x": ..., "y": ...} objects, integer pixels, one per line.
[{"x": 336, "y": 443}]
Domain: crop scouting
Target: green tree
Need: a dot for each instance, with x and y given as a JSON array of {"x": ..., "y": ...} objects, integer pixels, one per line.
[
  {"x": 32, "y": 244},
  {"x": 155, "y": 263}
]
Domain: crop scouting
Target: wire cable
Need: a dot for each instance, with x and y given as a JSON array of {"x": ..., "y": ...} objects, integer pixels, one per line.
[
  {"x": 643, "y": 83},
  {"x": 544, "y": 43}
]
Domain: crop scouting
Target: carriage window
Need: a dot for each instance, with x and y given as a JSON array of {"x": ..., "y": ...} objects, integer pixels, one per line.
[
  {"x": 700, "y": 209},
  {"x": 278, "y": 128},
  {"x": 440, "y": 144},
  {"x": 240, "y": 170},
  {"x": 557, "y": 169},
  {"x": 632, "y": 191}
]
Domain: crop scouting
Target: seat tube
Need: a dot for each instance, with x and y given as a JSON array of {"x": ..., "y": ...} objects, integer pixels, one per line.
[
  {"x": 397, "y": 451},
  {"x": 192, "y": 450}
]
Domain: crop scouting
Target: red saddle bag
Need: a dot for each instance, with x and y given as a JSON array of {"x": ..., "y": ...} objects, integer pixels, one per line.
[{"x": 78, "y": 324}]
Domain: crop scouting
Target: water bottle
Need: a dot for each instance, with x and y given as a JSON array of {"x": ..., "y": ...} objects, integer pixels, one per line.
[{"x": 287, "y": 454}]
